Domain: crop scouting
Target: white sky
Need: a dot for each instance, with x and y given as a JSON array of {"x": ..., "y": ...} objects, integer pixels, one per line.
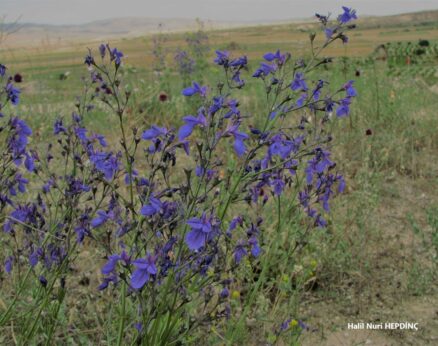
[{"x": 82, "y": 11}]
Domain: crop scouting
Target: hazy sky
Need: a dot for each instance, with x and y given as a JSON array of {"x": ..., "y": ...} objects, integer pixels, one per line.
[{"x": 81, "y": 11}]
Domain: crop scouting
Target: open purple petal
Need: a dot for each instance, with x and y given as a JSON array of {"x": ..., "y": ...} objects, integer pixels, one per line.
[
  {"x": 185, "y": 131},
  {"x": 139, "y": 278},
  {"x": 239, "y": 147},
  {"x": 195, "y": 239}
]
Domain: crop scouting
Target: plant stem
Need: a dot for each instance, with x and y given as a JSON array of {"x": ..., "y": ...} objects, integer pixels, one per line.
[{"x": 122, "y": 315}]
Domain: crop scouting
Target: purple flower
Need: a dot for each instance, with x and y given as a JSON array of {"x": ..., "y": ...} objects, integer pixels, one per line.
[
  {"x": 329, "y": 32},
  {"x": 154, "y": 207},
  {"x": 185, "y": 63},
  {"x": 321, "y": 18},
  {"x": 283, "y": 147},
  {"x": 240, "y": 252},
  {"x": 239, "y": 62},
  {"x": 116, "y": 56},
  {"x": 154, "y": 132},
  {"x": 145, "y": 268},
  {"x": 222, "y": 58},
  {"x": 232, "y": 105},
  {"x": 2, "y": 70},
  {"x": 239, "y": 138},
  {"x": 264, "y": 70},
  {"x": 209, "y": 174},
  {"x": 43, "y": 281},
  {"x": 100, "y": 138},
  {"x": 13, "y": 94},
  {"x": 236, "y": 79},
  {"x": 8, "y": 264},
  {"x": 138, "y": 326},
  {"x": 304, "y": 198},
  {"x": 225, "y": 293},
  {"x": 101, "y": 218},
  {"x": 344, "y": 107},
  {"x": 303, "y": 325},
  {"x": 277, "y": 56},
  {"x": 234, "y": 223},
  {"x": 201, "y": 232},
  {"x": 75, "y": 187},
  {"x": 33, "y": 258},
  {"x": 278, "y": 185},
  {"x": 82, "y": 229},
  {"x": 285, "y": 325},
  {"x": 255, "y": 248},
  {"x": 47, "y": 186},
  {"x": 317, "y": 91},
  {"x": 58, "y": 127},
  {"x": 195, "y": 89},
  {"x": 81, "y": 133},
  {"x": 81, "y": 232},
  {"x": 351, "y": 91},
  {"x": 18, "y": 182},
  {"x": 21, "y": 182},
  {"x": 21, "y": 214},
  {"x": 110, "y": 265},
  {"x": 102, "y": 50},
  {"x": 106, "y": 281},
  {"x": 344, "y": 38},
  {"x": 317, "y": 164},
  {"x": 76, "y": 117},
  {"x": 218, "y": 103},
  {"x": 128, "y": 176},
  {"x": 320, "y": 221},
  {"x": 89, "y": 60},
  {"x": 279, "y": 147},
  {"x": 299, "y": 83},
  {"x": 301, "y": 100},
  {"x": 348, "y": 15},
  {"x": 105, "y": 163},
  {"x": 190, "y": 123},
  {"x": 329, "y": 105}
]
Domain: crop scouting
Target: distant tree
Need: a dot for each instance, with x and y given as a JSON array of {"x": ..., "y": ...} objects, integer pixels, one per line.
[{"x": 423, "y": 43}]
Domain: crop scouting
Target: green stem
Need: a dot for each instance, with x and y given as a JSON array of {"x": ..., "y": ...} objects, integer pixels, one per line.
[
  {"x": 122, "y": 316},
  {"x": 263, "y": 272},
  {"x": 55, "y": 320}
]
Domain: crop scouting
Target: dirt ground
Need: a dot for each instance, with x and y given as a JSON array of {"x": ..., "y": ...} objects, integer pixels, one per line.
[{"x": 385, "y": 292}]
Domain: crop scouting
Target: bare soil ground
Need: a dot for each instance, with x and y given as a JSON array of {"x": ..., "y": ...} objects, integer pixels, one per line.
[{"x": 383, "y": 293}]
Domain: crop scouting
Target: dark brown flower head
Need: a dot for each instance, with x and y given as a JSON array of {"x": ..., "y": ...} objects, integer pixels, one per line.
[
  {"x": 369, "y": 132},
  {"x": 163, "y": 97},
  {"x": 18, "y": 78}
]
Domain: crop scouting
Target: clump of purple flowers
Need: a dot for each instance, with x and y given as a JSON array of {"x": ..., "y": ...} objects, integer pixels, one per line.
[
  {"x": 185, "y": 64},
  {"x": 174, "y": 211}
]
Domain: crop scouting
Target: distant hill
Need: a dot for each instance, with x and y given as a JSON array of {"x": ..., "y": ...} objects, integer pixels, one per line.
[
  {"x": 37, "y": 34},
  {"x": 405, "y": 19},
  {"x": 115, "y": 26},
  {"x": 34, "y": 34}
]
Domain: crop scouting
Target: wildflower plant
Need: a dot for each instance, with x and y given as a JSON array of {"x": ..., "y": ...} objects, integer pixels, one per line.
[
  {"x": 185, "y": 64},
  {"x": 159, "y": 51},
  {"x": 175, "y": 211},
  {"x": 198, "y": 45}
]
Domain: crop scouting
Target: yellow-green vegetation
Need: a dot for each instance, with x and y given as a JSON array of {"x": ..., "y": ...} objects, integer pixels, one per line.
[{"x": 377, "y": 259}]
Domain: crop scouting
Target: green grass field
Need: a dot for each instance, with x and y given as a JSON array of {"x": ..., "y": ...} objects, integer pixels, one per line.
[{"x": 377, "y": 259}]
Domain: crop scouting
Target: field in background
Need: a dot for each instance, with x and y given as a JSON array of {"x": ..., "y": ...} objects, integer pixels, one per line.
[
  {"x": 42, "y": 63},
  {"x": 377, "y": 260}
]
